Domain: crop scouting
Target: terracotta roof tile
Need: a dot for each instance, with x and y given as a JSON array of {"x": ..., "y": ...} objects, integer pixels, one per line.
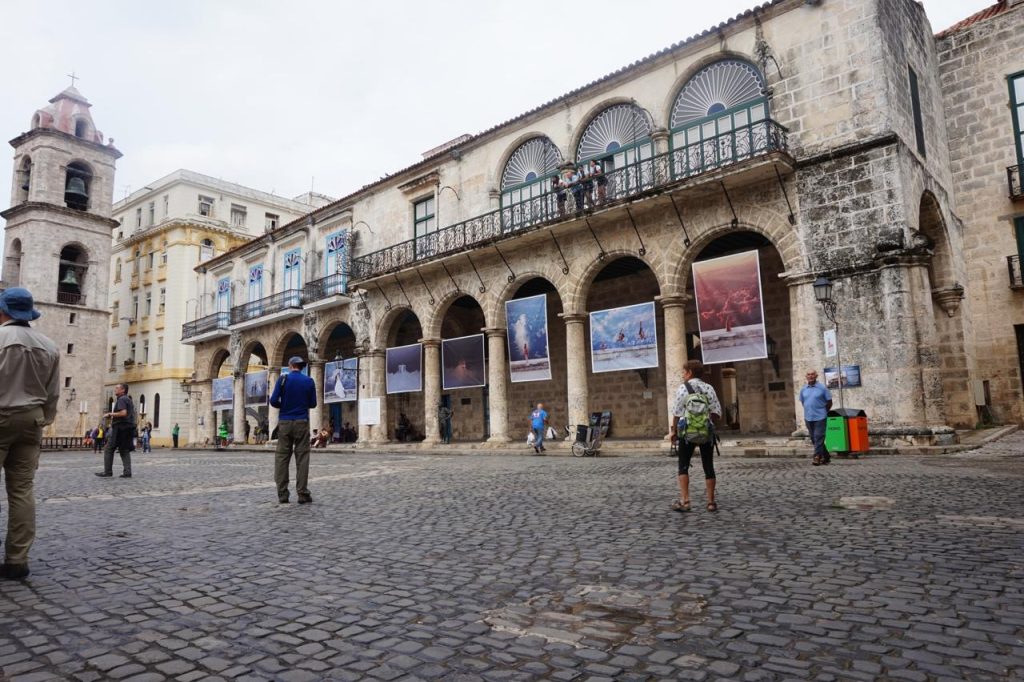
[{"x": 984, "y": 14}]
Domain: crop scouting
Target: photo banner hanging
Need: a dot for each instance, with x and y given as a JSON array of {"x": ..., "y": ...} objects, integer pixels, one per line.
[
  {"x": 405, "y": 369},
  {"x": 462, "y": 362},
  {"x": 223, "y": 393},
  {"x": 256, "y": 388},
  {"x": 529, "y": 358},
  {"x": 730, "y": 312},
  {"x": 286, "y": 370},
  {"x": 340, "y": 379},
  {"x": 623, "y": 338}
]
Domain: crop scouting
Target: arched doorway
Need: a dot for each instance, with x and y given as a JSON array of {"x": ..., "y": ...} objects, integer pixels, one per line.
[
  {"x": 463, "y": 377},
  {"x": 222, "y": 395},
  {"x": 624, "y": 340},
  {"x": 756, "y": 395},
  {"x": 405, "y": 330},
  {"x": 342, "y": 416},
  {"x": 253, "y": 419},
  {"x": 525, "y": 392}
]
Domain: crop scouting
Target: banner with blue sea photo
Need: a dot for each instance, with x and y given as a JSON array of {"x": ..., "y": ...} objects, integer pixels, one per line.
[
  {"x": 223, "y": 393},
  {"x": 404, "y": 369},
  {"x": 529, "y": 358},
  {"x": 729, "y": 311},
  {"x": 623, "y": 338},
  {"x": 304, "y": 370},
  {"x": 256, "y": 388},
  {"x": 340, "y": 379}
]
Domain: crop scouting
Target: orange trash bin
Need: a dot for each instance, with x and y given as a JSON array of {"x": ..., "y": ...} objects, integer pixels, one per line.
[{"x": 858, "y": 429}]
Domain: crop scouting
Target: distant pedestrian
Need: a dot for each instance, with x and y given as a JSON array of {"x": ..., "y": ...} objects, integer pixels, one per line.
[
  {"x": 579, "y": 190},
  {"x": 30, "y": 367},
  {"x": 222, "y": 435},
  {"x": 97, "y": 438},
  {"x": 695, "y": 408},
  {"x": 294, "y": 395},
  {"x": 817, "y": 401},
  {"x": 120, "y": 435},
  {"x": 147, "y": 438},
  {"x": 175, "y": 431},
  {"x": 539, "y": 424}
]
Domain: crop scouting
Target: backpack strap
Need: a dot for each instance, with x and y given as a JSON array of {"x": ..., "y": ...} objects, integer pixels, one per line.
[{"x": 689, "y": 388}]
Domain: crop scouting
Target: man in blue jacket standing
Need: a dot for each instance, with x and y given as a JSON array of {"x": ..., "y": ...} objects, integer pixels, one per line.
[{"x": 294, "y": 395}]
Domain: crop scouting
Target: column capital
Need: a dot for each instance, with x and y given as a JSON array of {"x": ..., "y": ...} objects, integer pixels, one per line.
[
  {"x": 675, "y": 301},
  {"x": 371, "y": 353},
  {"x": 317, "y": 363},
  {"x": 430, "y": 343},
  {"x": 494, "y": 331},
  {"x": 574, "y": 318}
]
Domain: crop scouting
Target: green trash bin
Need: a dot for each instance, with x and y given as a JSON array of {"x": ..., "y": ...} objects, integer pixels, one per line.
[{"x": 837, "y": 437}]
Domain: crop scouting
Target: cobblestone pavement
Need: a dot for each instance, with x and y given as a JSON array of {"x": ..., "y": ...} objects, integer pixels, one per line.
[{"x": 508, "y": 568}]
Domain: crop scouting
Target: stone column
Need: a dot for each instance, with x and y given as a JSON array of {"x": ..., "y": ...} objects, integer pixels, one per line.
[
  {"x": 431, "y": 389},
  {"x": 363, "y": 376},
  {"x": 576, "y": 368},
  {"x": 238, "y": 422},
  {"x": 378, "y": 389},
  {"x": 190, "y": 435},
  {"x": 659, "y": 136},
  {"x": 674, "y": 308},
  {"x": 497, "y": 382},
  {"x": 316, "y": 415}
]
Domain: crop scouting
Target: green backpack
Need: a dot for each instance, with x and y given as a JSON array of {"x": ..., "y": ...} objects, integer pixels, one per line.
[{"x": 695, "y": 425}]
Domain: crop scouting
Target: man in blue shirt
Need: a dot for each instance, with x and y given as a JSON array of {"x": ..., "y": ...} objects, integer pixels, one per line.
[
  {"x": 538, "y": 422},
  {"x": 817, "y": 401},
  {"x": 294, "y": 395}
]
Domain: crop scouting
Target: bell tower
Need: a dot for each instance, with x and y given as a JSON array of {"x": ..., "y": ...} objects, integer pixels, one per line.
[{"x": 57, "y": 244}]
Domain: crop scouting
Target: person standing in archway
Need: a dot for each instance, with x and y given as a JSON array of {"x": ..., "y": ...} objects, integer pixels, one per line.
[
  {"x": 694, "y": 411},
  {"x": 817, "y": 401},
  {"x": 294, "y": 395}
]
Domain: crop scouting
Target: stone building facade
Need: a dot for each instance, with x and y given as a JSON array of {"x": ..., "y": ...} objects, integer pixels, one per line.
[
  {"x": 164, "y": 231},
  {"x": 813, "y": 133},
  {"x": 57, "y": 245}
]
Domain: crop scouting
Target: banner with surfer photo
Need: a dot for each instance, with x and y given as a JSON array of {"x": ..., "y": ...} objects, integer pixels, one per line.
[
  {"x": 527, "y": 327},
  {"x": 730, "y": 313},
  {"x": 340, "y": 380}
]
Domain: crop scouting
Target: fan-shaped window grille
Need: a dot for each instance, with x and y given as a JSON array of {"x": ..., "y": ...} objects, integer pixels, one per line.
[
  {"x": 719, "y": 117},
  {"x": 616, "y": 131},
  {"x": 533, "y": 160}
]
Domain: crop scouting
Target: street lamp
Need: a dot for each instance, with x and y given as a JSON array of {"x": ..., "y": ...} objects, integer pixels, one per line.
[{"x": 823, "y": 295}]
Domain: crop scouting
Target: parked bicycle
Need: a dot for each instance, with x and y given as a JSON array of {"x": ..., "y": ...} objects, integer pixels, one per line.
[{"x": 587, "y": 441}]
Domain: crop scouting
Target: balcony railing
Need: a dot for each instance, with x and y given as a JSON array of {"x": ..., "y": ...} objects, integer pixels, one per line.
[
  {"x": 69, "y": 298},
  {"x": 1013, "y": 179},
  {"x": 319, "y": 289},
  {"x": 1016, "y": 276},
  {"x": 292, "y": 298},
  {"x": 204, "y": 325},
  {"x": 631, "y": 181}
]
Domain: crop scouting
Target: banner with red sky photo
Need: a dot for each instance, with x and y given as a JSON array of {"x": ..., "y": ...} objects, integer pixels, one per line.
[{"x": 730, "y": 313}]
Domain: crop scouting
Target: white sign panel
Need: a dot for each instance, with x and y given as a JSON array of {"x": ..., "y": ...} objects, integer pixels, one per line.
[
  {"x": 830, "y": 343},
  {"x": 369, "y": 411}
]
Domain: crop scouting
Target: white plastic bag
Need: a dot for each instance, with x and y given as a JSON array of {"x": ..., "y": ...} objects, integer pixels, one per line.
[
  {"x": 530, "y": 438},
  {"x": 551, "y": 435}
]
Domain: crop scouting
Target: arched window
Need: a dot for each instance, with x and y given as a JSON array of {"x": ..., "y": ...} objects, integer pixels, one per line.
[
  {"x": 619, "y": 136},
  {"x": 525, "y": 179},
  {"x": 76, "y": 186},
  {"x": 81, "y": 128},
  {"x": 719, "y": 116},
  {"x": 156, "y": 411},
  {"x": 13, "y": 265},
  {"x": 205, "y": 250},
  {"x": 36, "y": 120},
  {"x": 24, "y": 179},
  {"x": 117, "y": 270},
  {"x": 71, "y": 271}
]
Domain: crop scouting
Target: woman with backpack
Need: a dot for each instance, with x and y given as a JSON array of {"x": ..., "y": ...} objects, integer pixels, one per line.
[{"x": 695, "y": 407}]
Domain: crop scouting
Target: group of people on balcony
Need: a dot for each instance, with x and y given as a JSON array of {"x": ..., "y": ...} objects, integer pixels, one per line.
[{"x": 581, "y": 180}]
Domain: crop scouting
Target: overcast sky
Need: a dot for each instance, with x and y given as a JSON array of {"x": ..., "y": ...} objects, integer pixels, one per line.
[{"x": 272, "y": 94}]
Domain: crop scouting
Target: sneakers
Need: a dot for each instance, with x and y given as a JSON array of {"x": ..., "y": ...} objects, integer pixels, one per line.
[
  {"x": 305, "y": 498},
  {"x": 14, "y": 571}
]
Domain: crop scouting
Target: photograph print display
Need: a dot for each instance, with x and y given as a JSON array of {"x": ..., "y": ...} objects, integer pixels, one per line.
[
  {"x": 405, "y": 369},
  {"x": 462, "y": 362},
  {"x": 223, "y": 393},
  {"x": 256, "y": 388},
  {"x": 730, "y": 314},
  {"x": 623, "y": 338},
  {"x": 340, "y": 379},
  {"x": 529, "y": 358},
  {"x": 850, "y": 374}
]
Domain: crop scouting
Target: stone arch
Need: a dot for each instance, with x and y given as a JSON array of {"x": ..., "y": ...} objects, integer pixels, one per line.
[
  {"x": 514, "y": 146},
  {"x": 221, "y": 358},
  {"x": 23, "y": 181},
  {"x": 692, "y": 69},
  {"x": 82, "y": 128},
  {"x": 285, "y": 342},
  {"x": 932, "y": 225},
  {"x": 12, "y": 274},
  {"x": 785, "y": 242},
  {"x": 78, "y": 181},
  {"x": 576, "y": 301},
  {"x": 254, "y": 347},
  {"x": 387, "y": 324},
  {"x": 72, "y": 268},
  {"x": 553, "y": 276},
  {"x": 328, "y": 332},
  {"x": 432, "y": 329},
  {"x": 592, "y": 114}
]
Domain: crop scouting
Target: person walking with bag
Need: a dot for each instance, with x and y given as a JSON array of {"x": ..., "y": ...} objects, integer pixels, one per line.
[
  {"x": 294, "y": 395},
  {"x": 538, "y": 423},
  {"x": 30, "y": 366},
  {"x": 120, "y": 434},
  {"x": 695, "y": 408}
]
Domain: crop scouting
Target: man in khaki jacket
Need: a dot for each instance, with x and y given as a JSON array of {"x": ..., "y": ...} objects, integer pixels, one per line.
[{"x": 29, "y": 365}]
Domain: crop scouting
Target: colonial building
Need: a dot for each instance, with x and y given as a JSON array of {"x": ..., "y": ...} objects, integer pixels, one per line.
[
  {"x": 163, "y": 232},
  {"x": 57, "y": 245},
  {"x": 812, "y": 133}
]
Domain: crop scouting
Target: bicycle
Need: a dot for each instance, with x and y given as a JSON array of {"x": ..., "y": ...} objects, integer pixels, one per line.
[{"x": 589, "y": 447}]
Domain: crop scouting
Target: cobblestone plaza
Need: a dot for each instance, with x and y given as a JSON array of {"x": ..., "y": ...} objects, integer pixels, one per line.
[{"x": 487, "y": 567}]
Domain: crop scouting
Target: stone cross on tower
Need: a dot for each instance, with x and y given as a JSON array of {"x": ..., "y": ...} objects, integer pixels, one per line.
[{"x": 73, "y": 78}]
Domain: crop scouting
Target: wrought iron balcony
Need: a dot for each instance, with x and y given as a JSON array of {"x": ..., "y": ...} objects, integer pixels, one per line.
[
  {"x": 70, "y": 298},
  {"x": 205, "y": 325},
  {"x": 1016, "y": 277},
  {"x": 1013, "y": 179},
  {"x": 284, "y": 300},
  {"x": 325, "y": 287},
  {"x": 645, "y": 176}
]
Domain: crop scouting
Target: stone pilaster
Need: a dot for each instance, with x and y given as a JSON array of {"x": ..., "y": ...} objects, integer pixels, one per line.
[
  {"x": 238, "y": 413},
  {"x": 316, "y": 415},
  {"x": 674, "y": 308},
  {"x": 431, "y": 389},
  {"x": 378, "y": 389},
  {"x": 659, "y": 136},
  {"x": 497, "y": 381},
  {"x": 576, "y": 355},
  {"x": 365, "y": 385}
]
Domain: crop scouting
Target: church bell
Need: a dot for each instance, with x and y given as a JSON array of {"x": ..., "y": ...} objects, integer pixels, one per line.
[
  {"x": 70, "y": 278},
  {"x": 75, "y": 193}
]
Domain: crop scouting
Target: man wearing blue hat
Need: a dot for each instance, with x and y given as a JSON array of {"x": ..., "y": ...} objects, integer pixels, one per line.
[
  {"x": 30, "y": 367},
  {"x": 294, "y": 395}
]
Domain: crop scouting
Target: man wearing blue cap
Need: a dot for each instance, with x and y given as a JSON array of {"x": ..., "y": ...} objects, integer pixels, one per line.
[
  {"x": 294, "y": 395},
  {"x": 30, "y": 367}
]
